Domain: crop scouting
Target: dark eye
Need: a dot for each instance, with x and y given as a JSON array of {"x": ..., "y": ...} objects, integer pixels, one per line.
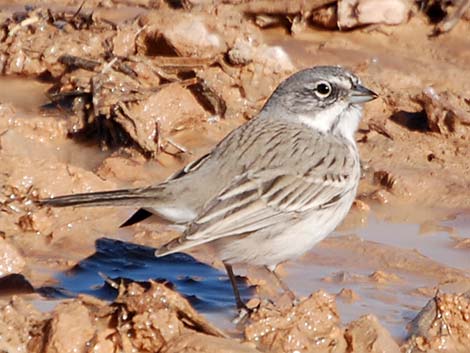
[{"x": 323, "y": 89}]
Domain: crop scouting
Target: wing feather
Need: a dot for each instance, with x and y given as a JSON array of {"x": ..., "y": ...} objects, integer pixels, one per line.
[{"x": 256, "y": 201}]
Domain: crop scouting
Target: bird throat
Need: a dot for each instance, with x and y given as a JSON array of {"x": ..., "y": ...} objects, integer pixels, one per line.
[{"x": 336, "y": 120}]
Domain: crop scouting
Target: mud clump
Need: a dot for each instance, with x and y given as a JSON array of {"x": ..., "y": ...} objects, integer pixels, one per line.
[
  {"x": 443, "y": 325},
  {"x": 113, "y": 85},
  {"x": 151, "y": 317},
  {"x": 18, "y": 324},
  {"x": 11, "y": 260},
  {"x": 147, "y": 317},
  {"x": 367, "y": 335},
  {"x": 313, "y": 325},
  {"x": 445, "y": 112}
]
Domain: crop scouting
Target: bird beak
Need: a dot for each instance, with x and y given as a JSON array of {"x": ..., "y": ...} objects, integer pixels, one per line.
[{"x": 360, "y": 94}]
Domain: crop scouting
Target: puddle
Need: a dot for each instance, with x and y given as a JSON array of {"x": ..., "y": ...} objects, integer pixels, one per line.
[
  {"x": 437, "y": 245},
  {"x": 26, "y": 95},
  {"x": 207, "y": 288},
  {"x": 394, "y": 302},
  {"x": 461, "y": 224}
]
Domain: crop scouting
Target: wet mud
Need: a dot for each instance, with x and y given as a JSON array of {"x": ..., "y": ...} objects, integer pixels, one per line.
[{"x": 98, "y": 95}]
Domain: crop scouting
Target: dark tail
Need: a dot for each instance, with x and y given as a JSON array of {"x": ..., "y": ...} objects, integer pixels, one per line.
[
  {"x": 125, "y": 197},
  {"x": 140, "y": 215}
]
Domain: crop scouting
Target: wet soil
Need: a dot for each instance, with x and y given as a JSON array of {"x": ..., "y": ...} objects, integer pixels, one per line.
[{"x": 122, "y": 96}]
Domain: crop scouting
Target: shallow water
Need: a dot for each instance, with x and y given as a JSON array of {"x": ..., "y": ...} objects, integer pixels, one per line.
[
  {"x": 394, "y": 302},
  {"x": 437, "y": 245},
  {"x": 205, "y": 287},
  {"x": 26, "y": 95}
]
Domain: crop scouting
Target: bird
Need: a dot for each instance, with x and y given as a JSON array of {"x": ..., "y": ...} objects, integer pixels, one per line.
[{"x": 273, "y": 187}]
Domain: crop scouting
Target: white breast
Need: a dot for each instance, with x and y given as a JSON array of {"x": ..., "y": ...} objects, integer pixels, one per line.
[{"x": 269, "y": 249}]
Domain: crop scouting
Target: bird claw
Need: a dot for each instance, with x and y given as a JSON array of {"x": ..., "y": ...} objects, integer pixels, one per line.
[{"x": 244, "y": 313}]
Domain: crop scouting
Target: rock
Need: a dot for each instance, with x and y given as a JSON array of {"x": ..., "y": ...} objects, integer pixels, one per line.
[
  {"x": 190, "y": 36},
  {"x": 11, "y": 260},
  {"x": 16, "y": 321},
  {"x": 353, "y": 13},
  {"x": 367, "y": 335},
  {"x": 71, "y": 328},
  {"x": 325, "y": 17},
  {"x": 443, "y": 325},
  {"x": 310, "y": 326}
]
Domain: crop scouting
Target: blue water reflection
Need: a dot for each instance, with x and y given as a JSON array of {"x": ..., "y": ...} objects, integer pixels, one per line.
[{"x": 207, "y": 288}]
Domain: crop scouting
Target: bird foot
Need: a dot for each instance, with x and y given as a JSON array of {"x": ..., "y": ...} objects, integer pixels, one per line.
[
  {"x": 243, "y": 315},
  {"x": 244, "y": 312}
]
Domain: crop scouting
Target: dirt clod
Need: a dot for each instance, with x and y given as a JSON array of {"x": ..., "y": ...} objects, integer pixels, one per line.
[
  {"x": 443, "y": 325},
  {"x": 148, "y": 317},
  {"x": 311, "y": 324},
  {"x": 352, "y": 13},
  {"x": 367, "y": 335},
  {"x": 11, "y": 260}
]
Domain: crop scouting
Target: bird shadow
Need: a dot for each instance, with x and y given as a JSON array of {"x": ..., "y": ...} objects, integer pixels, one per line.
[{"x": 207, "y": 288}]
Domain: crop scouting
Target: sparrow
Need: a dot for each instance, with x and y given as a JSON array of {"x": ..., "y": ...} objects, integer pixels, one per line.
[{"x": 273, "y": 187}]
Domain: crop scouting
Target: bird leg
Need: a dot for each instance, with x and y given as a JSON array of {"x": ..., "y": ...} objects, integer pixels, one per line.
[
  {"x": 280, "y": 283},
  {"x": 243, "y": 311},
  {"x": 236, "y": 293}
]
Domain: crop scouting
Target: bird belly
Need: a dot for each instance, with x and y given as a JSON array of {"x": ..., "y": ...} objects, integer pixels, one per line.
[
  {"x": 273, "y": 246},
  {"x": 174, "y": 214}
]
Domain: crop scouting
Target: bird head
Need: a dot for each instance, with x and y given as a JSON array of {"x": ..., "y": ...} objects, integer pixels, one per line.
[{"x": 326, "y": 98}]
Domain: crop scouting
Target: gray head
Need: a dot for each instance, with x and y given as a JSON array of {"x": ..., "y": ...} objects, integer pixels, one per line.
[{"x": 326, "y": 98}]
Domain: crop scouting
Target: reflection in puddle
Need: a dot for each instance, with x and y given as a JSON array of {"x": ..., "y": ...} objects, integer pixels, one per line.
[
  {"x": 437, "y": 245},
  {"x": 205, "y": 287},
  {"x": 393, "y": 295},
  {"x": 395, "y": 300},
  {"x": 392, "y": 303}
]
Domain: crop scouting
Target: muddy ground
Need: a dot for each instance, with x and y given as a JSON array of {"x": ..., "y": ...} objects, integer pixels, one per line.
[{"x": 106, "y": 94}]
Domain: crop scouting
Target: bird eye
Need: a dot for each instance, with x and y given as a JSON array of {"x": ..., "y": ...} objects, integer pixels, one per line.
[{"x": 323, "y": 89}]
